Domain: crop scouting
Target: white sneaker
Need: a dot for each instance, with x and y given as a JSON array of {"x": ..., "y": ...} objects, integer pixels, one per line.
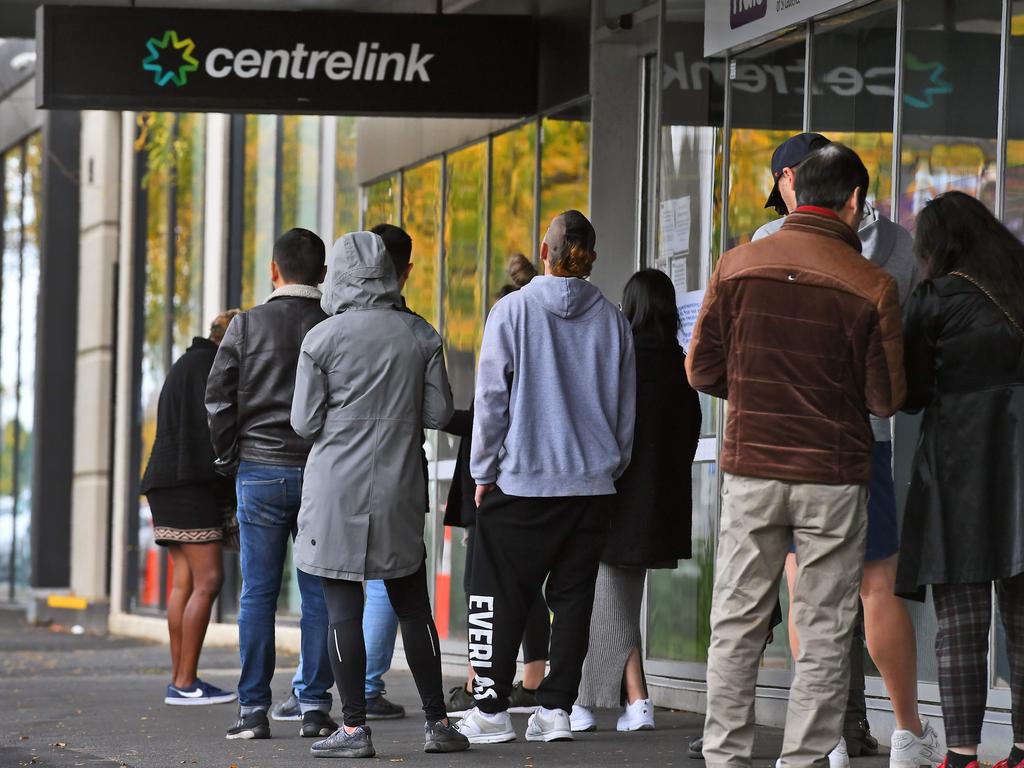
[
  {"x": 840, "y": 756},
  {"x": 638, "y": 716},
  {"x": 482, "y": 728},
  {"x": 910, "y": 751},
  {"x": 582, "y": 719},
  {"x": 549, "y": 725}
]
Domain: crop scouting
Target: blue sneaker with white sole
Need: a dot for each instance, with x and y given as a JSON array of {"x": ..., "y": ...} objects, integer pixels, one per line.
[{"x": 199, "y": 694}]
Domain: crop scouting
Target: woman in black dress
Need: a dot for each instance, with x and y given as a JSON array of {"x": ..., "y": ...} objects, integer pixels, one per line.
[{"x": 193, "y": 511}]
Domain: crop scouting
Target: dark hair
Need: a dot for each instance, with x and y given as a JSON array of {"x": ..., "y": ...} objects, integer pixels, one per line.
[
  {"x": 957, "y": 232},
  {"x": 649, "y": 303},
  {"x": 398, "y": 244},
  {"x": 828, "y": 176},
  {"x": 520, "y": 270},
  {"x": 299, "y": 255},
  {"x": 506, "y": 289}
]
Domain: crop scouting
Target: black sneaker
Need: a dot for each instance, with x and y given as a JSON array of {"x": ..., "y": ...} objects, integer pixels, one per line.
[
  {"x": 859, "y": 741},
  {"x": 379, "y": 708},
  {"x": 439, "y": 737},
  {"x": 288, "y": 709},
  {"x": 696, "y": 748},
  {"x": 522, "y": 701},
  {"x": 253, "y": 726},
  {"x": 317, "y": 723},
  {"x": 459, "y": 701},
  {"x": 341, "y": 744}
]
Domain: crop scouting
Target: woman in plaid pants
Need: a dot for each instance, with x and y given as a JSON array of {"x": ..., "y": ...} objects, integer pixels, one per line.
[{"x": 963, "y": 529}]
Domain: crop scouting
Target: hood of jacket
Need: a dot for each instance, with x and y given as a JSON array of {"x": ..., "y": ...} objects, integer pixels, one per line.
[
  {"x": 877, "y": 236},
  {"x": 565, "y": 297},
  {"x": 360, "y": 275}
]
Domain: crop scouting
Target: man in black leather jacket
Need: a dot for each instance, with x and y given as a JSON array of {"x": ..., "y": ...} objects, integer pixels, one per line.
[{"x": 248, "y": 401}]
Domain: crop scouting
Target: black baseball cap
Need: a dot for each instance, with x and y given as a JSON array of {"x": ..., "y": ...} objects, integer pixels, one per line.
[{"x": 789, "y": 154}]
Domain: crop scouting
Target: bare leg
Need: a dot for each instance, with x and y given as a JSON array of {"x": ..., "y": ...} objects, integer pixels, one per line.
[
  {"x": 470, "y": 678},
  {"x": 794, "y": 638},
  {"x": 181, "y": 590},
  {"x": 633, "y": 675},
  {"x": 891, "y": 641},
  {"x": 533, "y": 674},
  {"x": 207, "y": 576}
]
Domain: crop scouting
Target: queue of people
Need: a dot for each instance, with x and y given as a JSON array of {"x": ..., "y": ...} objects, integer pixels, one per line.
[{"x": 573, "y": 477}]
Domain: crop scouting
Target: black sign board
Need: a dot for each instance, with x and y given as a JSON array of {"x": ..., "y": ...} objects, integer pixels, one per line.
[{"x": 285, "y": 61}]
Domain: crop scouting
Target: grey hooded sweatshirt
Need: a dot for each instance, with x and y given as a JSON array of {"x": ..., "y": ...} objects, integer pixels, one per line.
[
  {"x": 370, "y": 378},
  {"x": 889, "y": 246},
  {"x": 555, "y": 392}
]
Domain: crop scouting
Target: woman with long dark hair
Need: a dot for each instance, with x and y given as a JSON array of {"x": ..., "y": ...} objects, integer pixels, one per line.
[
  {"x": 963, "y": 528},
  {"x": 652, "y": 508}
]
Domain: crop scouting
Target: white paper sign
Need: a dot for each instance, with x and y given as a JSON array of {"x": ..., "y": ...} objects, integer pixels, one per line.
[
  {"x": 689, "y": 307},
  {"x": 674, "y": 226},
  {"x": 678, "y": 275}
]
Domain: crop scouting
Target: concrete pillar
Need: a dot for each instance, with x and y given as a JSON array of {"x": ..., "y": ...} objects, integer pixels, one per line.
[{"x": 100, "y": 199}]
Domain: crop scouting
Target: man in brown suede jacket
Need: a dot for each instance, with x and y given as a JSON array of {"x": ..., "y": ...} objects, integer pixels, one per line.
[{"x": 801, "y": 334}]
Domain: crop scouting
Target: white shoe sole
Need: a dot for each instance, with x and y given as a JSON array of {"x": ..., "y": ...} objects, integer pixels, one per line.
[
  {"x": 203, "y": 702},
  {"x": 491, "y": 738},
  {"x": 919, "y": 763},
  {"x": 585, "y": 729},
  {"x": 288, "y": 719},
  {"x": 550, "y": 736},
  {"x": 242, "y": 735},
  {"x": 633, "y": 728}
]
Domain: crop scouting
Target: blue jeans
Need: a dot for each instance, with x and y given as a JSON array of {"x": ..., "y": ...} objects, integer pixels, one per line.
[
  {"x": 268, "y": 509},
  {"x": 380, "y": 628}
]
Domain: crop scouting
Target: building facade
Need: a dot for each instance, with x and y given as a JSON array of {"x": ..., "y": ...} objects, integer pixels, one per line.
[{"x": 661, "y": 129}]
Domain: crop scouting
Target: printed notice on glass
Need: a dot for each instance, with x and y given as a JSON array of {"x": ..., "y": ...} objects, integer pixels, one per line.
[
  {"x": 678, "y": 275},
  {"x": 674, "y": 226},
  {"x": 689, "y": 307}
]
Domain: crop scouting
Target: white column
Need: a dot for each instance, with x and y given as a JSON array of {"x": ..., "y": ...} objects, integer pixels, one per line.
[{"x": 215, "y": 224}]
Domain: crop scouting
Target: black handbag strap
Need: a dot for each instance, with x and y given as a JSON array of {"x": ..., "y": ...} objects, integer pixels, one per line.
[{"x": 1010, "y": 318}]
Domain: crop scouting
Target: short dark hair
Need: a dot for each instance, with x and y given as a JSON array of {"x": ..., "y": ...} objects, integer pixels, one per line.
[
  {"x": 829, "y": 175},
  {"x": 300, "y": 256},
  {"x": 649, "y": 304},
  {"x": 397, "y": 243}
]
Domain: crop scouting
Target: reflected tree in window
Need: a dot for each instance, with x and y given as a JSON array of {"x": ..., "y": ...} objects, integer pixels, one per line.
[
  {"x": 513, "y": 172},
  {"x": 421, "y": 218}
]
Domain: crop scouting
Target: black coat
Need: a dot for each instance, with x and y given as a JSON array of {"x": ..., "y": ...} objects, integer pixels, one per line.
[
  {"x": 182, "y": 453},
  {"x": 964, "y": 520},
  {"x": 460, "y": 511},
  {"x": 651, "y": 524}
]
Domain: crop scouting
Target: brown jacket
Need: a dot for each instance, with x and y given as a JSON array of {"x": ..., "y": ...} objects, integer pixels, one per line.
[{"x": 802, "y": 335}]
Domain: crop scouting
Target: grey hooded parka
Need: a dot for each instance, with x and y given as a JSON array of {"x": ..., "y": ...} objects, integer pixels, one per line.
[{"x": 370, "y": 378}]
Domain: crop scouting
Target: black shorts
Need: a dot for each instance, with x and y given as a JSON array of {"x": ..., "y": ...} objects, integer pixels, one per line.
[{"x": 194, "y": 514}]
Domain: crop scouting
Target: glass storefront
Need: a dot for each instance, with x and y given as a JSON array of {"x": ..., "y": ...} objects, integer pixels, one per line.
[{"x": 19, "y": 290}]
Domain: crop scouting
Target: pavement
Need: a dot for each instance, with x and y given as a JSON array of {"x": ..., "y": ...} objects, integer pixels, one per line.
[{"x": 86, "y": 700}]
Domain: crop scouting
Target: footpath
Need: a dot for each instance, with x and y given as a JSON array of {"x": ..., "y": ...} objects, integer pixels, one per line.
[{"x": 80, "y": 700}]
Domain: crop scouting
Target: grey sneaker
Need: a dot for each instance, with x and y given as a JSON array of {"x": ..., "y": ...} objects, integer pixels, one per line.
[
  {"x": 379, "y": 708},
  {"x": 549, "y": 725},
  {"x": 438, "y": 737},
  {"x": 287, "y": 710},
  {"x": 341, "y": 744},
  {"x": 482, "y": 729}
]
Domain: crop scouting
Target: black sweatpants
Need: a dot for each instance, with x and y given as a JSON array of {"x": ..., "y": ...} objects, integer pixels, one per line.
[
  {"x": 537, "y": 634},
  {"x": 347, "y": 648},
  {"x": 520, "y": 542}
]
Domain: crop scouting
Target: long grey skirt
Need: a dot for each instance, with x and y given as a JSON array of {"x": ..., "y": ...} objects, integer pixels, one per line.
[{"x": 614, "y": 633}]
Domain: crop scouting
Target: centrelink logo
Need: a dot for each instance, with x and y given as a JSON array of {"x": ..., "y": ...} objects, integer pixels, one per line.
[{"x": 170, "y": 60}]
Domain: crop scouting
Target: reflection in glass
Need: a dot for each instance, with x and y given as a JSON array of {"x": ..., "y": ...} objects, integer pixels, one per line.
[
  {"x": 951, "y": 81},
  {"x": 564, "y": 164},
  {"x": 513, "y": 171},
  {"x": 1013, "y": 205},
  {"x": 421, "y": 218},
  {"x": 300, "y": 170},
  {"x": 346, "y": 186},
  {"x": 381, "y": 204},
  {"x": 259, "y": 192}
]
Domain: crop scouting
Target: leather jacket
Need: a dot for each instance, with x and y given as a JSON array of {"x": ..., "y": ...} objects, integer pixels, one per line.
[{"x": 249, "y": 392}]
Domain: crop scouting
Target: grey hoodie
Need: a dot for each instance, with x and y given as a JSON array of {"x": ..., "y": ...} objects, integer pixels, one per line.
[
  {"x": 889, "y": 246},
  {"x": 370, "y": 378},
  {"x": 555, "y": 392}
]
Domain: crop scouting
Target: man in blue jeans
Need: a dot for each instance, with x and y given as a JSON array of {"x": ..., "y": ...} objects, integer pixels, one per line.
[{"x": 248, "y": 402}]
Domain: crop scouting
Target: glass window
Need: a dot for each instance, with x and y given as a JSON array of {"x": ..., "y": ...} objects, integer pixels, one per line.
[
  {"x": 259, "y": 192},
  {"x": 513, "y": 172},
  {"x": 564, "y": 164},
  {"x": 300, "y": 172},
  {"x": 346, "y": 187},
  {"x": 767, "y": 100},
  {"x": 19, "y": 289},
  {"x": 421, "y": 218},
  {"x": 950, "y": 100},
  {"x": 381, "y": 203},
  {"x": 172, "y": 152},
  {"x": 1013, "y": 206}
]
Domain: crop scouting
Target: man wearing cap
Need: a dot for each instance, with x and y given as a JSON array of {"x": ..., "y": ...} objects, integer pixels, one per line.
[
  {"x": 552, "y": 431},
  {"x": 890, "y": 633},
  {"x": 802, "y": 336}
]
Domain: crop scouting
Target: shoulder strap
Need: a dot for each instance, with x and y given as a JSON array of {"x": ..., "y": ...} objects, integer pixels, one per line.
[{"x": 1010, "y": 319}]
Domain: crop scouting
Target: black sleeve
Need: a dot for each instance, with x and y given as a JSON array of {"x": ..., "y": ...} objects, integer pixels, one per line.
[
  {"x": 222, "y": 393},
  {"x": 920, "y": 334},
  {"x": 461, "y": 424}
]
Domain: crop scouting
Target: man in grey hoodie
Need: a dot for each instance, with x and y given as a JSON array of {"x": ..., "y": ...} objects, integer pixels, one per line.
[
  {"x": 553, "y": 429},
  {"x": 890, "y": 633}
]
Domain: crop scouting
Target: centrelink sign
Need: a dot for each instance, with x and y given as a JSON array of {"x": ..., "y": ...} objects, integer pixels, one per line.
[{"x": 287, "y": 61}]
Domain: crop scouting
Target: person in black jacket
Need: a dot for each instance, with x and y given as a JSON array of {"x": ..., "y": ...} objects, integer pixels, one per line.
[
  {"x": 249, "y": 403},
  {"x": 963, "y": 527},
  {"x": 193, "y": 514},
  {"x": 651, "y": 521}
]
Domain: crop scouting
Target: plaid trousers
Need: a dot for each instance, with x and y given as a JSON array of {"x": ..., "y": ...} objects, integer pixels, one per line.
[{"x": 964, "y": 613}]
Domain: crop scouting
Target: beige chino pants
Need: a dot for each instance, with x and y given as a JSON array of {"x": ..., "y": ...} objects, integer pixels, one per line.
[{"x": 829, "y": 525}]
